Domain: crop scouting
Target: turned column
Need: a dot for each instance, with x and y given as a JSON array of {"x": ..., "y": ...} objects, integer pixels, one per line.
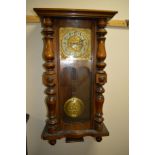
[
  {"x": 101, "y": 76},
  {"x": 49, "y": 76}
]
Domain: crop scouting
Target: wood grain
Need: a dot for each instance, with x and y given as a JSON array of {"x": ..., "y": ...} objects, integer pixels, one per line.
[{"x": 111, "y": 23}]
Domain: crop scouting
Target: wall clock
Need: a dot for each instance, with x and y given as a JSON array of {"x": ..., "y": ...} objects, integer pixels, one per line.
[{"x": 74, "y": 54}]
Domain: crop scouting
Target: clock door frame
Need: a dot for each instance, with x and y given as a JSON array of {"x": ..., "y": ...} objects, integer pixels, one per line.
[{"x": 77, "y": 23}]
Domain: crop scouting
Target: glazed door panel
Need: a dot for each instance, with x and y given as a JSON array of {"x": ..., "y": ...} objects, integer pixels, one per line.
[{"x": 76, "y": 69}]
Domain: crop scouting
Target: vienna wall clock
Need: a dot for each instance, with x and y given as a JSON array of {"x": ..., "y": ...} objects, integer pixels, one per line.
[{"x": 74, "y": 54}]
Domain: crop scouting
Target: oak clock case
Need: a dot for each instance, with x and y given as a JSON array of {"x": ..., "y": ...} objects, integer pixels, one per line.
[{"x": 74, "y": 54}]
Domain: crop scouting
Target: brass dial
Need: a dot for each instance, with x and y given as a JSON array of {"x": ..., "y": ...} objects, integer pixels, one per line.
[{"x": 75, "y": 43}]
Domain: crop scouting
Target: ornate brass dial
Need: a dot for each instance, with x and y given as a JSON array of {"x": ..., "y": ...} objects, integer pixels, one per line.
[
  {"x": 75, "y": 43},
  {"x": 74, "y": 107}
]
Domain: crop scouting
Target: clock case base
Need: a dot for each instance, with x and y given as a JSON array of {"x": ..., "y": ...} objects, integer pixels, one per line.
[{"x": 73, "y": 135}]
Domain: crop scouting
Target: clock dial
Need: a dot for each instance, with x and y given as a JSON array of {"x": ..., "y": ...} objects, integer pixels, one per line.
[{"x": 75, "y": 43}]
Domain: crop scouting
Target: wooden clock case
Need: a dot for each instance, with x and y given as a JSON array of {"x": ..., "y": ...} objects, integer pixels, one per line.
[{"x": 57, "y": 125}]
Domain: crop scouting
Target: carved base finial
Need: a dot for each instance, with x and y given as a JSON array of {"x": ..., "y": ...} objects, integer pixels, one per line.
[
  {"x": 98, "y": 139},
  {"x": 52, "y": 142}
]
